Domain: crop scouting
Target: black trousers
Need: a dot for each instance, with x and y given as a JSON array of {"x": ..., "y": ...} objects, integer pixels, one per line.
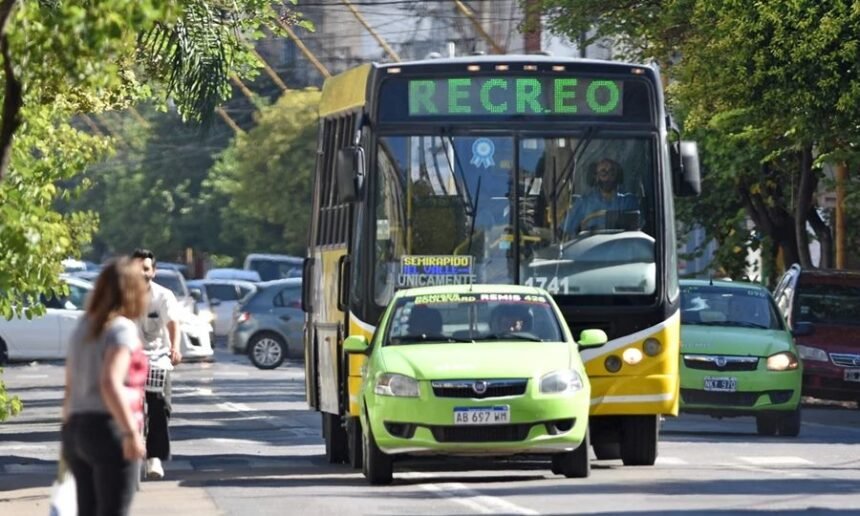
[
  {"x": 157, "y": 436},
  {"x": 105, "y": 481}
]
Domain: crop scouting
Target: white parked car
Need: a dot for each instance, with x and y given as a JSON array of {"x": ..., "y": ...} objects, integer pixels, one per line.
[
  {"x": 223, "y": 296},
  {"x": 45, "y": 337}
]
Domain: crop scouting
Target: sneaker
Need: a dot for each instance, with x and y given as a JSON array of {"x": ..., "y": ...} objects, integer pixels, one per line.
[{"x": 154, "y": 471}]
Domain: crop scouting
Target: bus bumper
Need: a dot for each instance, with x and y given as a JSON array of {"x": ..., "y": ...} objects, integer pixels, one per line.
[{"x": 634, "y": 395}]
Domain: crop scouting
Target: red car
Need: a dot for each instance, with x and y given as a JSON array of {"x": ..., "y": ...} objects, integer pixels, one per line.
[{"x": 823, "y": 309}]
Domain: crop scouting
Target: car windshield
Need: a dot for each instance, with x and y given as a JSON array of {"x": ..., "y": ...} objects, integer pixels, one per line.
[
  {"x": 733, "y": 306},
  {"x": 584, "y": 208},
  {"x": 274, "y": 269},
  {"x": 473, "y": 317},
  {"x": 827, "y": 304},
  {"x": 173, "y": 283}
]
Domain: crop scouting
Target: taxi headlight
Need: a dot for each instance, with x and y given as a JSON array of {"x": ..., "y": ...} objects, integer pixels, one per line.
[
  {"x": 561, "y": 381},
  {"x": 810, "y": 353},
  {"x": 392, "y": 384},
  {"x": 784, "y": 361}
]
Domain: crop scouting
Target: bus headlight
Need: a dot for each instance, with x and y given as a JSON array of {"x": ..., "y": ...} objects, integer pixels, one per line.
[
  {"x": 561, "y": 381},
  {"x": 392, "y": 384},
  {"x": 784, "y": 361},
  {"x": 810, "y": 353},
  {"x": 652, "y": 347},
  {"x": 632, "y": 356}
]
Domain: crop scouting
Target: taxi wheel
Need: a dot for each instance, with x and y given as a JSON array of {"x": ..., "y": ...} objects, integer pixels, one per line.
[
  {"x": 377, "y": 467},
  {"x": 639, "y": 440},
  {"x": 4, "y": 353},
  {"x": 766, "y": 424},
  {"x": 573, "y": 464},
  {"x": 788, "y": 424}
]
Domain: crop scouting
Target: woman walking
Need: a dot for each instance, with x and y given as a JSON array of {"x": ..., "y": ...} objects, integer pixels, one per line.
[{"x": 103, "y": 405}]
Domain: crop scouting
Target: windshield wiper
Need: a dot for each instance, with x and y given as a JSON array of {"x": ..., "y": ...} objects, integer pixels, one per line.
[
  {"x": 509, "y": 336},
  {"x": 420, "y": 339},
  {"x": 742, "y": 324},
  {"x": 471, "y": 201}
]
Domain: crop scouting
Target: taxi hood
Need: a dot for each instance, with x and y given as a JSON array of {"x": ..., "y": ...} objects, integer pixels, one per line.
[
  {"x": 725, "y": 340},
  {"x": 453, "y": 361}
]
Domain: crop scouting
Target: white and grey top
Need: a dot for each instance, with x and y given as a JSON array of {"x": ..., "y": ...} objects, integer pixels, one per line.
[
  {"x": 162, "y": 308},
  {"x": 86, "y": 358}
]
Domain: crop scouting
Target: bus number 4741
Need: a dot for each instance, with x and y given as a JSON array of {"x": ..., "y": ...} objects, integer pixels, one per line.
[{"x": 551, "y": 284}]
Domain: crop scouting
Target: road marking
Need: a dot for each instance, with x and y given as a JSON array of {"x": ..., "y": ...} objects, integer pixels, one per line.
[
  {"x": 232, "y": 373},
  {"x": 671, "y": 461},
  {"x": 459, "y": 493},
  {"x": 31, "y": 377},
  {"x": 234, "y": 407},
  {"x": 775, "y": 461}
]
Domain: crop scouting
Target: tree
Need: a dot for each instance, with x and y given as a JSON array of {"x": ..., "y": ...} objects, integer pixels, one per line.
[
  {"x": 61, "y": 59},
  {"x": 770, "y": 88},
  {"x": 266, "y": 179}
]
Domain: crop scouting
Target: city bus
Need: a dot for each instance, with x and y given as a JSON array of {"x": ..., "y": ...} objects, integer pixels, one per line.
[{"x": 493, "y": 169}]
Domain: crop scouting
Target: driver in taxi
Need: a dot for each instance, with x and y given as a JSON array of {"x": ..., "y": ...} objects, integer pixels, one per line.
[{"x": 510, "y": 318}]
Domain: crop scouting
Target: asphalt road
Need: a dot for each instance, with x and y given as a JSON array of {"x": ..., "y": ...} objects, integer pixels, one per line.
[{"x": 245, "y": 438}]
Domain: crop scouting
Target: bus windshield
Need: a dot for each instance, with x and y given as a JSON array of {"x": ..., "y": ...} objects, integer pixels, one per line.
[{"x": 585, "y": 223}]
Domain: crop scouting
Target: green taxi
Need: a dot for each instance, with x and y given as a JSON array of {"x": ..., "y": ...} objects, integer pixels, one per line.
[
  {"x": 474, "y": 370},
  {"x": 737, "y": 356}
]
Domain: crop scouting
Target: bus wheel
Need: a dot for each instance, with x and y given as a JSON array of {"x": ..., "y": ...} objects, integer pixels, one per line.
[
  {"x": 335, "y": 439},
  {"x": 607, "y": 451},
  {"x": 378, "y": 468},
  {"x": 639, "y": 440},
  {"x": 573, "y": 464},
  {"x": 353, "y": 435}
]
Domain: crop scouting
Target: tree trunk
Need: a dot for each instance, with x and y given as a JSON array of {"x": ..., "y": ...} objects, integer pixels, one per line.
[
  {"x": 774, "y": 222},
  {"x": 825, "y": 238},
  {"x": 805, "y": 191},
  {"x": 13, "y": 99}
]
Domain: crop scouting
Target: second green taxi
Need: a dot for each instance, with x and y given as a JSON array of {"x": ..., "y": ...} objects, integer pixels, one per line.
[
  {"x": 474, "y": 370},
  {"x": 737, "y": 356}
]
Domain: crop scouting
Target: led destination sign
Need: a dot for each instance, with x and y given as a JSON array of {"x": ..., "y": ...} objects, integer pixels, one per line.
[{"x": 507, "y": 96}]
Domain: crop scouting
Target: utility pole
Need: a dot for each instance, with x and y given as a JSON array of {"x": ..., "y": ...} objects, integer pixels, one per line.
[
  {"x": 841, "y": 179},
  {"x": 363, "y": 21},
  {"x": 305, "y": 50},
  {"x": 532, "y": 37},
  {"x": 497, "y": 49}
]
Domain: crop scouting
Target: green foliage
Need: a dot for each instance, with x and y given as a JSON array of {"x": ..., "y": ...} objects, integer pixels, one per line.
[
  {"x": 9, "y": 405},
  {"x": 267, "y": 177},
  {"x": 759, "y": 85}
]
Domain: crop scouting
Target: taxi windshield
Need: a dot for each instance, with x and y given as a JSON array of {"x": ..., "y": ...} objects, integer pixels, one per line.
[
  {"x": 718, "y": 306},
  {"x": 473, "y": 317}
]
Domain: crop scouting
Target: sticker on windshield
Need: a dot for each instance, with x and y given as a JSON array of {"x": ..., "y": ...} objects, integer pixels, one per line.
[
  {"x": 483, "y": 151},
  {"x": 430, "y": 270}
]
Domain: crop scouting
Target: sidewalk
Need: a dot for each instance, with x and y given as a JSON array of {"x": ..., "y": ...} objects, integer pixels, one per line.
[{"x": 154, "y": 499}]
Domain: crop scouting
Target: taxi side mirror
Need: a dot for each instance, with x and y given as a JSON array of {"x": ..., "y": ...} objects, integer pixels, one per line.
[
  {"x": 592, "y": 338},
  {"x": 355, "y": 344}
]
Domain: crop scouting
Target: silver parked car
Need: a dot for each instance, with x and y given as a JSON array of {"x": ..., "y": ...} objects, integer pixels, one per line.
[{"x": 268, "y": 324}]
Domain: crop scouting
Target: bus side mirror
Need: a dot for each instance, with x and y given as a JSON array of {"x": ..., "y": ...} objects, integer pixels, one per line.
[{"x": 685, "y": 168}]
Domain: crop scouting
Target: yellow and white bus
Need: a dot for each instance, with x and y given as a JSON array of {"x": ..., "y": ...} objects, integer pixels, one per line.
[{"x": 534, "y": 170}]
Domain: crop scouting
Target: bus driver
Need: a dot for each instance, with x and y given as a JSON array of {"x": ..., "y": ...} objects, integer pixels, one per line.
[{"x": 590, "y": 212}]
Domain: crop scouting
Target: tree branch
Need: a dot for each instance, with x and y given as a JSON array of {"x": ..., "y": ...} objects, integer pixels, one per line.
[{"x": 13, "y": 99}]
